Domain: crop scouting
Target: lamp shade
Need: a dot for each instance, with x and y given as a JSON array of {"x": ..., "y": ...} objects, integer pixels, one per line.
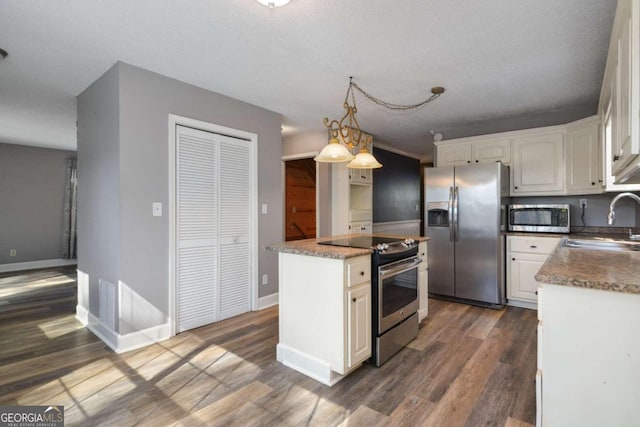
[
  {"x": 273, "y": 3},
  {"x": 334, "y": 152},
  {"x": 364, "y": 160}
]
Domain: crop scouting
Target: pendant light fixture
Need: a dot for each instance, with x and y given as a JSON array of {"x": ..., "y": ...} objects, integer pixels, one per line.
[
  {"x": 347, "y": 131},
  {"x": 273, "y": 3}
]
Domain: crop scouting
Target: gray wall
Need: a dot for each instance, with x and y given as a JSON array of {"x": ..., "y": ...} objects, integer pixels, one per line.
[
  {"x": 99, "y": 184},
  {"x": 32, "y": 182},
  {"x": 310, "y": 142},
  {"x": 145, "y": 101}
]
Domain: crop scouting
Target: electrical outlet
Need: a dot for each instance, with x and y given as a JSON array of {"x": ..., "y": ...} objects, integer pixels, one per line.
[
  {"x": 12, "y": 252},
  {"x": 583, "y": 203},
  {"x": 265, "y": 279}
]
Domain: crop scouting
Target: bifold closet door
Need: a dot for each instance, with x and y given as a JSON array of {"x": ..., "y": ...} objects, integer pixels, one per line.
[{"x": 213, "y": 227}]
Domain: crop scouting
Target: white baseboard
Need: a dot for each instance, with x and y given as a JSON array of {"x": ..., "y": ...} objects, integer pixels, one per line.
[
  {"x": 134, "y": 340},
  {"x": 522, "y": 304},
  {"x": 308, "y": 365},
  {"x": 422, "y": 314},
  {"x": 268, "y": 301},
  {"x": 34, "y": 265},
  {"x": 402, "y": 228},
  {"x": 82, "y": 314}
]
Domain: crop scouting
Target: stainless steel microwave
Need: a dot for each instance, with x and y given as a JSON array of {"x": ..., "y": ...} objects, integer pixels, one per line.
[{"x": 550, "y": 218}]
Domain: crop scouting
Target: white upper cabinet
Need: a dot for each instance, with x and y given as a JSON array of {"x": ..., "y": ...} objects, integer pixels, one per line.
[
  {"x": 620, "y": 96},
  {"x": 538, "y": 164},
  {"x": 491, "y": 151},
  {"x": 582, "y": 157},
  {"x": 453, "y": 153}
]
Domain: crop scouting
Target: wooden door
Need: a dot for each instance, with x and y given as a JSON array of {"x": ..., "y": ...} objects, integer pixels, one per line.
[{"x": 300, "y": 203}]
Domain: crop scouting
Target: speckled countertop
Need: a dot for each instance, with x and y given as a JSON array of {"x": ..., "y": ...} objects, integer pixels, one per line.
[
  {"x": 311, "y": 247},
  {"x": 593, "y": 269}
]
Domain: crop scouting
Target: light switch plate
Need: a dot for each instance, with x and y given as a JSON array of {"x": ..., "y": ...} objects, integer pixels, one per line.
[{"x": 157, "y": 208}]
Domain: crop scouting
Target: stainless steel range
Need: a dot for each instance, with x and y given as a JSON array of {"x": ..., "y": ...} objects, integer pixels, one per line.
[{"x": 394, "y": 292}]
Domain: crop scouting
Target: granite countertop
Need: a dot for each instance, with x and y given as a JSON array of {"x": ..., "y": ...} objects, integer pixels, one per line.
[
  {"x": 593, "y": 269},
  {"x": 310, "y": 247}
]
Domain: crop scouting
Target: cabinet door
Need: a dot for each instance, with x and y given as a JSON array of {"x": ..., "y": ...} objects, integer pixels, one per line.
[
  {"x": 522, "y": 269},
  {"x": 360, "y": 228},
  {"x": 360, "y": 176},
  {"x": 627, "y": 146},
  {"x": 453, "y": 154},
  {"x": 538, "y": 164},
  {"x": 491, "y": 151},
  {"x": 583, "y": 160},
  {"x": 359, "y": 325}
]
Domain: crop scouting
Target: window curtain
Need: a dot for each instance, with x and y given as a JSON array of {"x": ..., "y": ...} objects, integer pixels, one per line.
[{"x": 70, "y": 211}]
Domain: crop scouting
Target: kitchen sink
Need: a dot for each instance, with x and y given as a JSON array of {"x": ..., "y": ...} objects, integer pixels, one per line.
[{"x": 603, "y": 244}]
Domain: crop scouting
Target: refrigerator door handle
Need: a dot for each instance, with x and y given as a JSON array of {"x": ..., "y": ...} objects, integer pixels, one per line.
[
  {"x": 450, "y": 212},
  {"x": 455, "y": 214}
]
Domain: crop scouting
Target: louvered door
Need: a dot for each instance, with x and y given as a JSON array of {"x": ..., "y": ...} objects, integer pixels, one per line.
[{"x": 213, "y": 227}]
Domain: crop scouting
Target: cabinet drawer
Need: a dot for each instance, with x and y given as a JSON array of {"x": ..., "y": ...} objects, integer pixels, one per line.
[
  {"x": 358, "y": 272},
  {"x": 535, "y": 245}
]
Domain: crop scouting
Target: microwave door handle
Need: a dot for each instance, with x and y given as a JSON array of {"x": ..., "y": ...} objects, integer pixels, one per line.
[
  {"x": 450, "y": 212},
  {"x": 456, "y": 196}
]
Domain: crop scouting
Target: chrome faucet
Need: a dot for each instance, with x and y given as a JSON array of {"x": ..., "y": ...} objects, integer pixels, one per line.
[{"x": 611, "y": 217}]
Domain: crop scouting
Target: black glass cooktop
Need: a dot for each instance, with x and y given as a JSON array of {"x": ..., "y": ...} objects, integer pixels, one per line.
[{"x": 360, "y": 241}]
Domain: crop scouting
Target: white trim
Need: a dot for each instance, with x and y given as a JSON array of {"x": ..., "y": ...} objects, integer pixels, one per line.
[
  {"x": 504, "y": 135},
  {"x": 299, "y": 156},
  {"x": 522, "y": 304},
  {"x": 386, "y": 147},
  {"x": 82, "y": 315},
  {"x": 123, "y": 343},
  {"x": 422, "y": 314},
  {"x": 308, "y": 365},
  {"x": 408, "y": 228},
  {"x": 252, "y": 138},
  {"x": 268, "y": 301},
  {"x": 34, "y": 265},
  {"x": 308, "y": 155}
]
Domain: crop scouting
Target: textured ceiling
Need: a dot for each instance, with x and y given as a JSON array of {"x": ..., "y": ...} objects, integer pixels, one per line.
[{"x": 505, "y": 64}]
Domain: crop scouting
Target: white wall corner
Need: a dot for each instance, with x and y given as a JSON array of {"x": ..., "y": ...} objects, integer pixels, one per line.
[{"x": 268, "y": 301}]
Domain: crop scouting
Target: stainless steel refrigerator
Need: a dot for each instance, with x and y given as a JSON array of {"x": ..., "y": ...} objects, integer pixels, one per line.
[{"x": 465, "y": 213}]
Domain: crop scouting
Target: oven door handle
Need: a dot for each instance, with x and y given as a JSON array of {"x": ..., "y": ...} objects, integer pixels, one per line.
[{"x": 401, "y": 268}]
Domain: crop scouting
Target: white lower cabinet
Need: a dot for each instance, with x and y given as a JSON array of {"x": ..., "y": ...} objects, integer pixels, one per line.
[
  {"x": 525, "y": 256},
  {"x": 359, "y": 318},
  {"x": 325, "y": 314},
  {"x": 588, "y": 357}
]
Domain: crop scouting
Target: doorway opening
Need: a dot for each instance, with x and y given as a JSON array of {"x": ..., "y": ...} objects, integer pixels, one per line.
[{"x": 300, "y": 199}]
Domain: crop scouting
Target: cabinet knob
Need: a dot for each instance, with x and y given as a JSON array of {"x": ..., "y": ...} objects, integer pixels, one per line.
[
  {"x": 593, "y": 183},
  {"x": 362, "y": 273},
  {"x": 513, "y": 259},
  {"x": 533, "y": 246},
  {"x": 362, "y": 176},
  {"x": 616, "y": 158},
  {"x": 516, "y": 187},
  {"x": 477, "y": 161},
  {"x": 600, "y": 181},
  {"x": 536, "y": 292},
  {"x": 354, "y": 300},
  {"x": 468, "y": 161}
]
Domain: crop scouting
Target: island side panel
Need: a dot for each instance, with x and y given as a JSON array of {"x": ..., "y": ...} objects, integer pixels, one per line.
[{"x": 312, "y": 311}]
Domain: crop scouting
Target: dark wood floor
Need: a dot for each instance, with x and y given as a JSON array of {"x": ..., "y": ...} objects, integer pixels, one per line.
[{"x": 469, "y": 366}]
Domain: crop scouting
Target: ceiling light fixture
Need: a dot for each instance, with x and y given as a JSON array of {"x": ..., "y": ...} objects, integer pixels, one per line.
[
  {"x": 347, "y": 130},
  {"x": 3, "y": 54},
  {"x": 273, "y": 3}
]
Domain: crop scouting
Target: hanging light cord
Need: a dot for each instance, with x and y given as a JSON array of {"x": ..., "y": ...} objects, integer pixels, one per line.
[{"x": 435, "y": 94}]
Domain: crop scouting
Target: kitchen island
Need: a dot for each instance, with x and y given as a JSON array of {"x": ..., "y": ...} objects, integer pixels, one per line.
[
  {"x": 588, "y": 337},
  {"x": 325, "y": 306}
]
